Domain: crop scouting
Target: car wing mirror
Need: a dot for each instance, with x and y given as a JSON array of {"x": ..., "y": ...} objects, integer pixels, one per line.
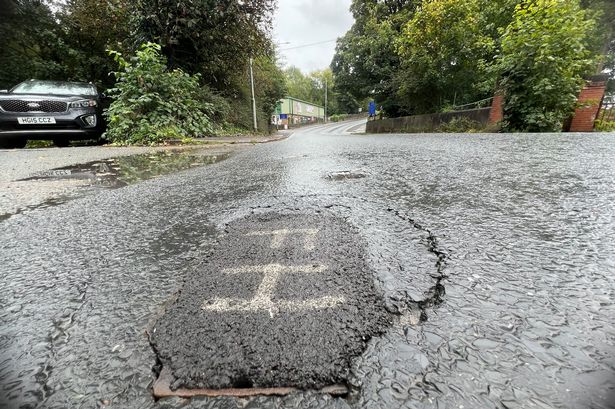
[{"x": 4, "y": 91}]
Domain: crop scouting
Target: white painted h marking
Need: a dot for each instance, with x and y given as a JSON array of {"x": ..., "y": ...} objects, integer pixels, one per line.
[
  {"x": 279, "y": 237},
  {"x": 262, "y": 299}
]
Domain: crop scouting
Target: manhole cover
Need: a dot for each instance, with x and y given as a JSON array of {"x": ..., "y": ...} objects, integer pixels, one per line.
[
  {"x": 285, "y": 301},
  {"x": 345, "y": 174}
]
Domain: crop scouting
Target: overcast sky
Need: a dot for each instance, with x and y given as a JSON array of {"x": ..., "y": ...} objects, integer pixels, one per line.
[{"x": 301, "y": 22}]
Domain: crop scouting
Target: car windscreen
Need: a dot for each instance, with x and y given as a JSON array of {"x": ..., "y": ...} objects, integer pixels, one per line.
[{"x": 59, "y": 88}]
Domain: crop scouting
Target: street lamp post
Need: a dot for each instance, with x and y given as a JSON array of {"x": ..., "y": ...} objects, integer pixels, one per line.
[
  {"x": 253, "y": 93},
  {"x": 326, "y": 99}
]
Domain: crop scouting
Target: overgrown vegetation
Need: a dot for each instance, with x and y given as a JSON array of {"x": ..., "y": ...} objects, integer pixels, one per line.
[
  {"x": 437, "y": 65},
  {"x": 151, "y": 103},
  {"x": 545, "y": 53},
  {"x": 461, "y": 125},
  {"x": 422, "y": 56},
  {"x": 605, "y": 126},
  {"x": 366, "y": 63},
  {"x": 338, "y": 117},
  {"x": 66, "y": 43},
  {"x": 210, "y": 41}
]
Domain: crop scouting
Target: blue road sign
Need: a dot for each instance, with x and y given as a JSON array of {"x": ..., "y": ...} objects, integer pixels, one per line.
[{"x": 372, "y": 108}]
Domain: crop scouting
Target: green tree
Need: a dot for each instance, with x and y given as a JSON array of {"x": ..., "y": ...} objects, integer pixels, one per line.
[
  {"x": 322, "y": 79},
  {"x": 70, "y": 44},
  {"x": 445, "y": 56},
  {"x": 387, "y": 55},
  {"x": 270, "y": 86},
  {"x": 366, "y": 64},
  {"x": 298, "y": 84},
  {"x": 604, "y": 12},
  {"x": 545, "y": 54},
  {"x": 213, "y": 37},
  {"x": 90, "y": 28},
  {"x": 311, "y": 88},
  {"x": 26, "y": 52},
  {"x": 216, "y": 39}
]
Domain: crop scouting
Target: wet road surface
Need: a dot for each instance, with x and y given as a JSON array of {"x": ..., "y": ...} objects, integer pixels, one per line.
[{"x": 492, "y": 256}]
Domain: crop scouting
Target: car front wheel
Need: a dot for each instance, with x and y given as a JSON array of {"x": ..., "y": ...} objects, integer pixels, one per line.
[
  {"x": 101, "y": 141},
  {"x": 61, "y": 142},
  {"x": 13, "y": 143}
]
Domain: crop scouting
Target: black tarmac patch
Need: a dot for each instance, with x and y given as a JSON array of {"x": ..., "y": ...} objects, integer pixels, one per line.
[{"x": 284, "y": 301}]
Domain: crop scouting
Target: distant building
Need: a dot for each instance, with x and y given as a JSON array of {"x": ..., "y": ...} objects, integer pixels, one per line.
[{"x": 293, "y": 112}]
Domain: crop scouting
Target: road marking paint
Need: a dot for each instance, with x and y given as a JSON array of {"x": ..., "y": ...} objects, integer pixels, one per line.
[
  {"x": 279, "y": 237},
  {"x": 262, "y": 300}
]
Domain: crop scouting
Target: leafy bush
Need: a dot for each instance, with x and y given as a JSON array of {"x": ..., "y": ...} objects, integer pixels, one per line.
[
  {"x": 338, "y": 117},
  {"x": 461, "y": 124},
  {"x": 545, "y": 53},
  {"x": 151, "y": 104},
  {"x": 221, "y": 107},
  {"x": 604, "y": 126}
]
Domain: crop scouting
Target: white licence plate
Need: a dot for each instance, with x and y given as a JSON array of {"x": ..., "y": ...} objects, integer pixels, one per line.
[{"x": 36, "y": 120}]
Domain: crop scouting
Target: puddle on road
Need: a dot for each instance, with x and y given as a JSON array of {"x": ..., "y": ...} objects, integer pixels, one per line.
[
  {"x": 71, "y": 182},
  {"x": 127, "y": 170}
]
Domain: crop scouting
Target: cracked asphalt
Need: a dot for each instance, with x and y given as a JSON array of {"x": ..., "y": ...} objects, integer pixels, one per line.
[{"x": 491, "y": 259}]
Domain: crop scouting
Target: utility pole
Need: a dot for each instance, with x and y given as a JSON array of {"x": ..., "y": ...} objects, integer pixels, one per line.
[
  {"x": 253, "y": 96},
  {"x": 326, "y": 99}
]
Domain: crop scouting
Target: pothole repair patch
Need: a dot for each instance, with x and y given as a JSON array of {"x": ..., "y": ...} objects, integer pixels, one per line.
[{"x": 285, "y": 301}]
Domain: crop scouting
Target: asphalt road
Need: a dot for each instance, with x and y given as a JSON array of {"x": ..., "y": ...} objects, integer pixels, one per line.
[{"x": 449, "y": 271}]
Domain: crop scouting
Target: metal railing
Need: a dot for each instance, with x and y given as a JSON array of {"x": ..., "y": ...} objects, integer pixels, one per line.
[
  {"x": 607, "y": 110},
  {"x": 483, "y": 103}
]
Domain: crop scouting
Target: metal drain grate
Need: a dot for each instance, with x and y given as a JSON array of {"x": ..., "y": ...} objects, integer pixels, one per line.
[{"x": 162, "y": 389}]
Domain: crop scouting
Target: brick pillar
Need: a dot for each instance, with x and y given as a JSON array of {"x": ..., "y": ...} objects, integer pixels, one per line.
[
  {"x": 589, "y": 103},
  {"x": 497, "y": 109}
]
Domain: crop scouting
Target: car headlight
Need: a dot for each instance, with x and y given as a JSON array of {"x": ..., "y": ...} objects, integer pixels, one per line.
[{"x": 85, "y": 103}]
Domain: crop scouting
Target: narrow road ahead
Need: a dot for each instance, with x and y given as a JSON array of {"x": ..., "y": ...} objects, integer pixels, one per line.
[{"x": 400, "y": 271}]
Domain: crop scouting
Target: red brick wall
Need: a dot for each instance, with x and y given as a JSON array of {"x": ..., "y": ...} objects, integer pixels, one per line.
[
  {"x": 589, "y": 100},
  {"x": 497, "y": 109}
]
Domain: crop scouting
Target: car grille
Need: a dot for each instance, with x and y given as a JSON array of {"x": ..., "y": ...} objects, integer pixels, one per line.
[{"x": 16, "y": 105}]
